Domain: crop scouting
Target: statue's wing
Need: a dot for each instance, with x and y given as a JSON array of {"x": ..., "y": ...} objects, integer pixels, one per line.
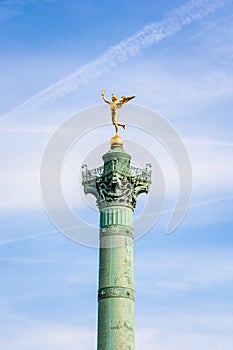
[{"x": 125, "y": 99}]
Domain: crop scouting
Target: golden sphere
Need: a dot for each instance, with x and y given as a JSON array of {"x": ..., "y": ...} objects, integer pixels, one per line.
[{"x": 116, "y": 140}]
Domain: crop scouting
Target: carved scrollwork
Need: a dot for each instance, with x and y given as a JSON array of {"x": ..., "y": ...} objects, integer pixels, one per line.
[{"x": 113, "y": 187}]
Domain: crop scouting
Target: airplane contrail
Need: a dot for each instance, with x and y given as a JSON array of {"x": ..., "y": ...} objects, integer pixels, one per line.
[
  {"x": 166, "y": 211},
  {"x": 23, "y": 238},
  {"x": 207, "y": 142},
  {"x": 152, "y": 33}
]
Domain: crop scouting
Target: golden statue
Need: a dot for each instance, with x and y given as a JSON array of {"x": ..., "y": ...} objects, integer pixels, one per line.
[{"x": 115, "y": 104}]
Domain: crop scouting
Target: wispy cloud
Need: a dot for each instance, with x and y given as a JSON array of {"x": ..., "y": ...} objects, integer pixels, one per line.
[
  {"x": 35, "y": 236},
  {"x": 23, "y": 238},
  {"x": 129, "y": 47},
  {"x": 208, "y": 142},
  {"x": 186, "y": 331},
  {"x": 211, "y": 201},
  {"x": 55, "y": 231},
  {"x": 189, "y": 89},
  {"x": 26, "y": 260},
  {"x": 34, "y": 335},
  {"x": 178, "y": 272},
  {"x": 202, "y": 203},
  {"x": 165, "y": 332},
  {"x": 28, "y": 130}
]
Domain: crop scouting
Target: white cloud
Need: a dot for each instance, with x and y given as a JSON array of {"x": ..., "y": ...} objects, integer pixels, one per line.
[
  {"x": 207, "y": 142},
  {"x": 188, "y": 93},
  {"x": 37, "y": 129},
  {"x": 48, "y": 337},
  {"x": 167, "y": 338},
  {"x": 211, "y": 164},
  {"x": 178, "y": 330},
  {"x": 180, "y": 272}
]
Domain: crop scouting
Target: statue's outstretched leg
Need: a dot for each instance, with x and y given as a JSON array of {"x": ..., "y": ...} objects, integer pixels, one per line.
[{"x": 123, "y": 125}]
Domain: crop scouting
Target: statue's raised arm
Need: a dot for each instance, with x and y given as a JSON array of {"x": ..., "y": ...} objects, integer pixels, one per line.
[
  {"x": 114, "y": 105},
  {"x": 103, "y": 96}
]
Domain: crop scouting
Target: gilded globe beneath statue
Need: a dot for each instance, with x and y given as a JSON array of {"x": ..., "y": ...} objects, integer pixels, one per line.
[{"x": 116, "y": 140}]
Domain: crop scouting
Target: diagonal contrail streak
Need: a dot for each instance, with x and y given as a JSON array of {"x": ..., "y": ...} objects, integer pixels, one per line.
[
  {"x": 166, "y": 211},
  {"x": 172, "y": 23}
]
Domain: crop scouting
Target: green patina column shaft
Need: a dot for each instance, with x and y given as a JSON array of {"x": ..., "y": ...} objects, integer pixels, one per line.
[{"x": 116, "y": 186}]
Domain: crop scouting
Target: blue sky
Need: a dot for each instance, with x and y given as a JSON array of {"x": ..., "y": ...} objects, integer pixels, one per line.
[{"x": 183, "y": 281}]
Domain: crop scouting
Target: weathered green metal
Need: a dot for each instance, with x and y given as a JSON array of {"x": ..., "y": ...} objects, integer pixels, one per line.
[{"x": 116, "y": 186}]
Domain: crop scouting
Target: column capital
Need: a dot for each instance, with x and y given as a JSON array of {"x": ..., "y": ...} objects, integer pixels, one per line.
[{"x": 116, "y": 183}]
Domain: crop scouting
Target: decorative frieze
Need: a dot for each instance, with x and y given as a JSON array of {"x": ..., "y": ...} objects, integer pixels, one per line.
[
  {"x": 116, "y": 231},
  {"x": 115, "y": 292}
]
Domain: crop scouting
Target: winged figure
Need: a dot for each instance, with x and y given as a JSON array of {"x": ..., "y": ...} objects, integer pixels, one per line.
[{"x": 115, "y": 104}]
